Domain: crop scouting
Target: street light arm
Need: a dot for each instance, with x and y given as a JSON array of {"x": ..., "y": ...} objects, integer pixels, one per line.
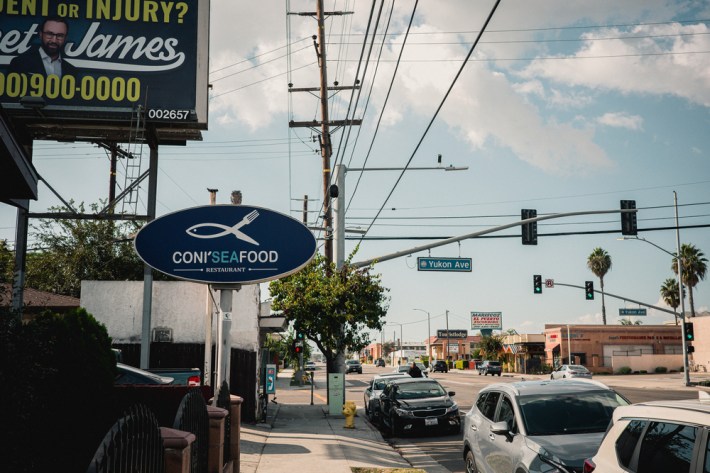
[{"x": 651, "y": 243}]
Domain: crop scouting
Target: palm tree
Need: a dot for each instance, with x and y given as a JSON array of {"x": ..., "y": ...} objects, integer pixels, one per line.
[
  {"x": 694, "y": 269},
  {"x": 599, "y": 262},
  {"x": 669, "y": 293}
]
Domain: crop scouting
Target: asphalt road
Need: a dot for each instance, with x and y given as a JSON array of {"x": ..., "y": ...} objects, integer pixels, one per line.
[{"x": 447, "y": 450}]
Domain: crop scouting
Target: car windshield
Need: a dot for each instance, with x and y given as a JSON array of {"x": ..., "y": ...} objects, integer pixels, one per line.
[
  {"x": 352, "y": 362},
  {"x": 564, "y": 414},
  {"x": 380, "y": 384},
  {"x": 419, "y": 390},
  {"x": 494, "y": 363},
  {"x": 577, "y": 368}
]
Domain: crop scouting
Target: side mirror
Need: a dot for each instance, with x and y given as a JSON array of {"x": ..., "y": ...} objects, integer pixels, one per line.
[
  {"x": 500, "y": 428},
  {"x": 452, "y": 393}
]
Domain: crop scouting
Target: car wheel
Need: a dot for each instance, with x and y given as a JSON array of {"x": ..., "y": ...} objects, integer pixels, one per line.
[
  {"x": 552, "y": 377},
  {"x": 470, "y": 463},
  {"x": 500, "y": 374},
  {"x": 479, "y": 373}
]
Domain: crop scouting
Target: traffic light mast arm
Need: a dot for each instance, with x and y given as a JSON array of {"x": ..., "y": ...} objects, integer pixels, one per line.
[
  {"x": 399, "y": 254},
  {"x": 662, "y": 309}
]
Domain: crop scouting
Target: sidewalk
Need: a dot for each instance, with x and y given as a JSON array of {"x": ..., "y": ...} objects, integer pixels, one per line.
[{"x": 302, "y": 438}]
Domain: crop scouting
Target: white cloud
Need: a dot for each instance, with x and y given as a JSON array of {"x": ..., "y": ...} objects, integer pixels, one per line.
[
  {"x": 668, "y": 59},
  {"x": 621, "y": 120}
]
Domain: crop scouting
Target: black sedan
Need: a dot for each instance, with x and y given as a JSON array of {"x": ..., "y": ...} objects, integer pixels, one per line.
[{"x": 418, "y": 404}]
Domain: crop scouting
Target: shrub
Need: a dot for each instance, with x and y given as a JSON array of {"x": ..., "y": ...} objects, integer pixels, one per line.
[
  {"x": 624, "y": 370},
  {"x": 660, "y": 369},
  {"x": 62, "y": 371}
]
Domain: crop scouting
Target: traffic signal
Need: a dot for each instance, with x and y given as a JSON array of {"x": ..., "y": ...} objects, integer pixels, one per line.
[
  {"x": 537, "y": 284},
  {"x": 690, "y": 348},
  {"x": 589, "y": 290},
  {"x": 529, "y": 230},
  {"x": 300, "y": 336},
  {"x": 297, "y": 347},
  {"x": 628, "y": 219},
  {"x": 689, "y": 335}
]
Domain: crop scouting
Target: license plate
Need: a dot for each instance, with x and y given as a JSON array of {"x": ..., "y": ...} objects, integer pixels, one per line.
[{"x": 431, "y": 421}]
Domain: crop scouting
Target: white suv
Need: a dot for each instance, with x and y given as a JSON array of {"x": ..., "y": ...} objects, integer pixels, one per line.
[
  {"x": 658, "y": 436},
  {"x": 537, "y": 426}
]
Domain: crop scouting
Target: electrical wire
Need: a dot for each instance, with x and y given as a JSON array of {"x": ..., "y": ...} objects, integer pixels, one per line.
[{"x": 436, "y": 113}]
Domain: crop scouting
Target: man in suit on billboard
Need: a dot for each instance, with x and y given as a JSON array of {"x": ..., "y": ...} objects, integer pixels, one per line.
[{"x": 46, "y": 58}]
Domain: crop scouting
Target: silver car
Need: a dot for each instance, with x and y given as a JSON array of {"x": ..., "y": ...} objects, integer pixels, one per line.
[
  {"x": 571, "y": 371},
  {"x": 537, "y": 426},
  {"x": 373, "y": 391}
]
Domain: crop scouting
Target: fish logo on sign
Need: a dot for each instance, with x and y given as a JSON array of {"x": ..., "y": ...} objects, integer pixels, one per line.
[{"x": 226, "y": 230}]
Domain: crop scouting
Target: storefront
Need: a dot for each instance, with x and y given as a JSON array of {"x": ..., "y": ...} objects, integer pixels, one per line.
[{"x": 595, "y": 346}]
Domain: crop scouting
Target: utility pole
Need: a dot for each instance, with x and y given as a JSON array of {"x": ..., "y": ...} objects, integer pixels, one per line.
[
  {"x": 305, "y": 209},
  {"x": 326, "y": 146},
  {"x": 447, "y": 337}
]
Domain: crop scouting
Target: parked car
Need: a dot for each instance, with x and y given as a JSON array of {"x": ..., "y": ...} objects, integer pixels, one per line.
[
  {"x": 440, "y": 366},
  {"x": 353, "y": 366},
  {"x": 657, "y": 436},
  {"x": 418, "y": 404},
  {"x": 379, "y": 363},
  {"x": 405, "y": 369},
  {"x": 571, "y": 371},
  {"x": 310, "y": 366},
  {"x": 130, "y": 375},
  {"x": 537, "y": 426},
  {"x": 490, "y": 367},
  {"x": 373, "y": 391}
]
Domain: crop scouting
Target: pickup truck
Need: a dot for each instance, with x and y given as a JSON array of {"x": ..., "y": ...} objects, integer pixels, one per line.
[{"x": 180, "y": 376}]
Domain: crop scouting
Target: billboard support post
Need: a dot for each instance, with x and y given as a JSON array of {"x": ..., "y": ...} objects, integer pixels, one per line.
[{"x": 147, "y": 270}]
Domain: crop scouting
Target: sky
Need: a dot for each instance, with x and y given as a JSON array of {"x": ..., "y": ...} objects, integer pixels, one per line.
[{"x": 562, "y": 106}]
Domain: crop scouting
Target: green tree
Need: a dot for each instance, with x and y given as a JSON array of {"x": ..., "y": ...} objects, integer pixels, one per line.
[
  {"x": 694, "y": 269},
  {"x": 599, "y": 263},
  {"x": 669, "y": 293},
  {"x": 334, "y": 309},
  {"x": 7, "y": 263},
  {"x": 72, "y": 250},
  {"x": 387, "y": 348},
  {"x": 491, "y": 346},
  {"x": 629, "y": 322}
]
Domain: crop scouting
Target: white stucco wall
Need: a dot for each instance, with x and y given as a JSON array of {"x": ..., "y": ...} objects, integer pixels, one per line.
[{"x": 177, "y": 305}]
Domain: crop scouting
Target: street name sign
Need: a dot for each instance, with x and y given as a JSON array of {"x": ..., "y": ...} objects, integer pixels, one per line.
[
  {"x": 444, "y": 264},
  {"x": 226, "y": 244},
  {"x": 636, "y": 312}
]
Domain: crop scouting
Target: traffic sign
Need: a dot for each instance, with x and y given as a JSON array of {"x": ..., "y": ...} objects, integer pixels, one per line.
[
  {"x": 549, "y": 283},
  {"x": 636, "y": 312},
  {"x": 444, "y": 264}
]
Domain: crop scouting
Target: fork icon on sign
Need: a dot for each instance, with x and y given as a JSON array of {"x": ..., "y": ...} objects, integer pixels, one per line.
[{"x": 234, "y": 230}]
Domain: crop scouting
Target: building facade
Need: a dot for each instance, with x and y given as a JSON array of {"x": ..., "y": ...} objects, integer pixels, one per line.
[{"x": 596, "y": 346}]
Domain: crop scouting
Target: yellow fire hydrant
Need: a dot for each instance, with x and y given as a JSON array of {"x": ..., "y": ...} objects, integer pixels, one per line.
[{"x": 349, "y": 410}]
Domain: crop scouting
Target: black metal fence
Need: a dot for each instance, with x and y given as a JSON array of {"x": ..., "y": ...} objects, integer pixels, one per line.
[
  {"x": 133, "y": 444},
  {"x": 224, "y": 401},
  {"x": 192, "y": 417}
]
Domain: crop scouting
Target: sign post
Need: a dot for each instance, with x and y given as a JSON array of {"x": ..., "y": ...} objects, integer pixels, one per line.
[{"x": 228, "y": 246}]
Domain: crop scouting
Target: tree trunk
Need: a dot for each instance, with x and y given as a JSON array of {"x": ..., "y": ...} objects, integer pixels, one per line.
[
  {"x": 601, "y": 283},
  {"x": 691, "y": 301}
]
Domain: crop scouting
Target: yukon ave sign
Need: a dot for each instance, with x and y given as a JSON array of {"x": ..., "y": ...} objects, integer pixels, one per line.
[{"x": 227, "y": 244}]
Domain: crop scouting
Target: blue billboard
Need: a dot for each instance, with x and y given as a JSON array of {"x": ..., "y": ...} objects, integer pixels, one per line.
[
  {"x": 226, "y": 244},
  {"x": 102, "y": 56}
]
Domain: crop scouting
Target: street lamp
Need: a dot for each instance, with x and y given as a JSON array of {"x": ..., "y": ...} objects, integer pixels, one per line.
[
  {"x": 679, "y": 260},
  {"x": 428, "y": 334}
]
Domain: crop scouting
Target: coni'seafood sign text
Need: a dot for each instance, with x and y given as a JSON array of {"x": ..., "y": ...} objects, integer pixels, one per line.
[{"x": 105, "y": 54}]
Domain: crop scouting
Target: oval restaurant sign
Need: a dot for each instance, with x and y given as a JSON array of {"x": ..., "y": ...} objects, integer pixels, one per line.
[{"x": 230, "y": 244}]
